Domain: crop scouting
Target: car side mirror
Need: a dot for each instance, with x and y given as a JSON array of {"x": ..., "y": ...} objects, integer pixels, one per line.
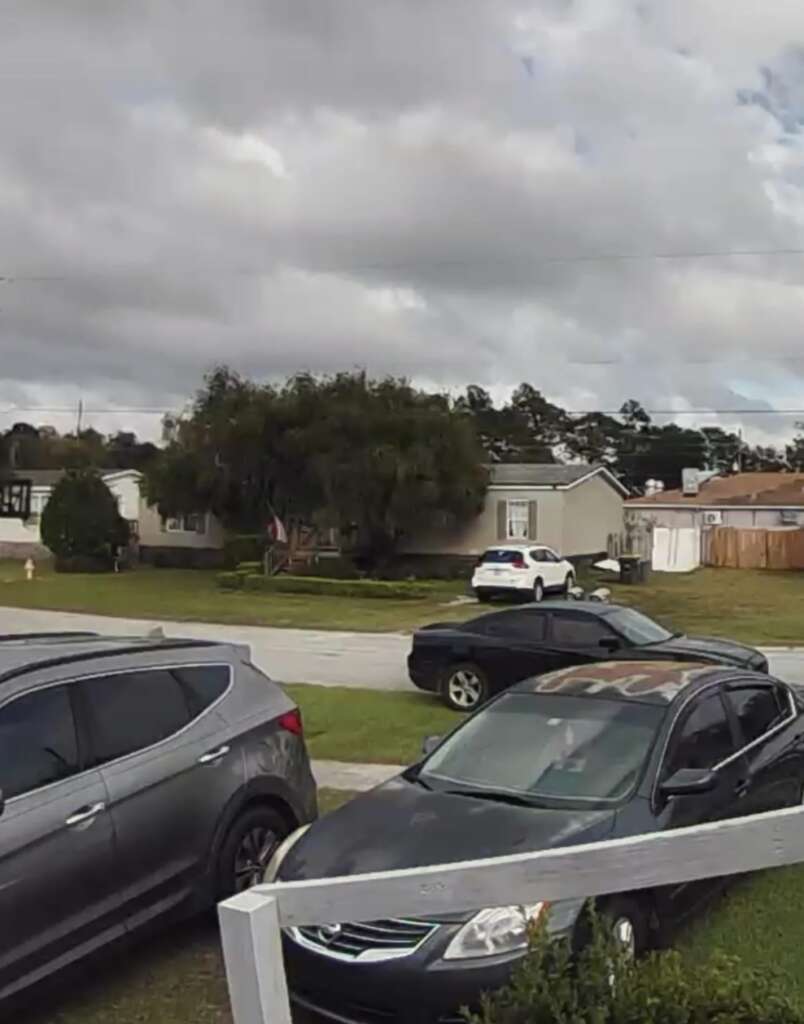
[
  {"x": 429, "y": 744},
  {"x": 689, "y": 781},
  {"x": 610, "y": 643}
]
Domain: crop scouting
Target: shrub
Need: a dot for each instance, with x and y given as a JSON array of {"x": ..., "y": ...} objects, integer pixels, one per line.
[
  {"x": 331, "y": 569},
  {"x": 602, "y": 986},
  {"x": 244, "y": 547},
  {"x": 83, "y": 563},
  {"x": 81, "y": 521},
  {"x": 249, "y": 568},
  {"x": 317, "y": 585}
]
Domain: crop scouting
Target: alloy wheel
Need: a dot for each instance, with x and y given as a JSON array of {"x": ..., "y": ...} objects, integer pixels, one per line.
[
  {"x": 253, "y": 854},
  {"x": 465, "y": 688},
  {"x": 624, "y": 932}
]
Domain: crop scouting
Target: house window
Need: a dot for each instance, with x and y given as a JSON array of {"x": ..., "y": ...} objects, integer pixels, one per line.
[
  {"x": 193, "y": 522},
  {"x": 518, "y": 520}
]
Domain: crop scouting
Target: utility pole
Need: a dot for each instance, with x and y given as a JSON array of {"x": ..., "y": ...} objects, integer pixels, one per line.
[{"x": 80, "y": 417}]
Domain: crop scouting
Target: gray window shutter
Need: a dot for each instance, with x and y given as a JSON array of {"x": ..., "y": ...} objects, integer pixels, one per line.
[
  {"x": 533, "y": 522},
  {"x": 163, "y": 524},
  {"x": 502, "y": 520},
  {"x": 201, "y": 523}
]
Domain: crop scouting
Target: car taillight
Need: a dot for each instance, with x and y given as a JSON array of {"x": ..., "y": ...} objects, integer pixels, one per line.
[
  {"x": 291, "y": 721},
  {"x": 519, "y": 564}
]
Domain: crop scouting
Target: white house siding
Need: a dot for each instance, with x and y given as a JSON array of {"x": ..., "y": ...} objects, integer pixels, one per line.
[
  {"x": 574, "y": 521},
  {"x": 740, "y": 518},
  {"x": 153, "y": 533},
  {"x": 592, "y": 510}
]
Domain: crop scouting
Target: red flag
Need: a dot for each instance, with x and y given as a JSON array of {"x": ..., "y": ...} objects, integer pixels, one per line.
[{"x": 276, "y": 530}]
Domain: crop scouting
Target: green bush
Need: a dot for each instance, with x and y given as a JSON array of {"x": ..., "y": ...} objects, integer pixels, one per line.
[
  {"x": 336, "y": 588},
  {"x": 331, "y": 569},
  {"x": 229, "y": 581},
  {"x": 602, "y": 986},
  {"x": 81, "y": 523},
  {"x": 244, "y": 547},
  {"x": 249, "y": 568}
]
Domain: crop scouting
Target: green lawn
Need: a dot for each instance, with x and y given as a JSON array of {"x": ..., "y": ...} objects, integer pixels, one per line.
[
  {"x": 192, "y": 596},
  {"x": 343, "y": 724},
  {"x": 754, "y": 606},
  {"x": 761, "y": 921}
]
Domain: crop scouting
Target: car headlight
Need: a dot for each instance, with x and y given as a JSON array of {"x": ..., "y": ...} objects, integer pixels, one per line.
[
  {"x": 493, "y": 931},
  {"x": 279, "y": 854}
]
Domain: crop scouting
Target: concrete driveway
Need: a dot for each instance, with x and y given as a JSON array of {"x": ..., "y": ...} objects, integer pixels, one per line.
[{"x": 371, "y": 660}]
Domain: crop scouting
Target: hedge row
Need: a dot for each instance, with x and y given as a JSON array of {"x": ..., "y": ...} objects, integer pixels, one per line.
[{"x": 285, "y": 584}]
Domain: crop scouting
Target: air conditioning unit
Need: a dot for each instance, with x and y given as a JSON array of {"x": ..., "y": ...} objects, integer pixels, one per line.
[
  {"x": 712, "y": 518},
  {"x": 790, "y": 516}
]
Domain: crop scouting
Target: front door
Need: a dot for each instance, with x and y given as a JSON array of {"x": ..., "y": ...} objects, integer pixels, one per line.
[
  {"x": 702, "y": 738},
  {"x": 169, "y": 771},
  {"x": 772, "y": 751},
  {"x": 57, "y": 868}
]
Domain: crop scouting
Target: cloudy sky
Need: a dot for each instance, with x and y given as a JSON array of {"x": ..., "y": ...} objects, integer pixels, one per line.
[{"x": 460, "y": 191}]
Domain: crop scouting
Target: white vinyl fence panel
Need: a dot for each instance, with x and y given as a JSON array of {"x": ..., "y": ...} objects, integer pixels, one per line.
[{"x": 251, "y": 922}]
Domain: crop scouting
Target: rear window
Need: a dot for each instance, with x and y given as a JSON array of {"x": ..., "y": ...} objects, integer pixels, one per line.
[
  {"x": 203, "y": 684},
  {"x": 501, "y": 556}
]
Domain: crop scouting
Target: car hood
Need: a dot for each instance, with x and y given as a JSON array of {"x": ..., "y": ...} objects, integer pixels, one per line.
[
  {"x": 711, "y": 647},
  {"x": 402, "y": 825}
]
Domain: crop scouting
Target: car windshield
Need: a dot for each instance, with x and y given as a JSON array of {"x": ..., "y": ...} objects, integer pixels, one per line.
[
  {"x": 501, "y": 556},
  {"x": 637, "y": 628},
  {"x": 550, "y": 748}
]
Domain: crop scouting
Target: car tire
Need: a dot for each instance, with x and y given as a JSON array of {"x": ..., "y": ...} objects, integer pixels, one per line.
[
  {"x": 465, "y": 687},
  {"x": 569, "y": 583},
  {"x": 628, "y": 921},
  {"x": 483, "y": 596},
  {"x": 538, "y": 591},
  {"x": 248, "y": 847}
]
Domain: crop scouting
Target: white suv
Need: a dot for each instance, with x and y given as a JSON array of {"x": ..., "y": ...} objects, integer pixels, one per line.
[{"x": 527, "y": 570}]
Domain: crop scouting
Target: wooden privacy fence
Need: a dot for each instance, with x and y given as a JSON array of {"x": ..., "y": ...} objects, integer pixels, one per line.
[
  {"x": 728, "y": 547},
  {"x": 251, "y": 923}
]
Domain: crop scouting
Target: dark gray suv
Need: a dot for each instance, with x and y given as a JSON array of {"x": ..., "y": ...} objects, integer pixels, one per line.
[{"x": 141, "y": 778}]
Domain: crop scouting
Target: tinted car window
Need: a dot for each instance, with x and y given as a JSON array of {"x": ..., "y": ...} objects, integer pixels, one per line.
[
  {"x": 37, "y": 741},
  {"x": 524, "y": 625},
  {"x": 133, "y": 710},
  {"x": 757, "y": 710},
  {"x": 579, "y": 630},
  {"x": 704, "y": 738},
  {"x": 551, "y": 747},
  {"x": 203, "y": 685},
  {"x": 501, "y": 556}
]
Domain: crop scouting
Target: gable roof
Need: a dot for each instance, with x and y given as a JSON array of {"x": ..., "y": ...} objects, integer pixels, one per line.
[
  {"x": 547, "y": 474},
  {"x": 746, "y": 489},
  {"x": 50, "y": 477}
]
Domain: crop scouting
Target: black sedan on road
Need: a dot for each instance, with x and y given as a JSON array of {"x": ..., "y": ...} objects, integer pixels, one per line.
[
  {"x": 468, "y": 662},
  {"x": 581, "y": 755}
]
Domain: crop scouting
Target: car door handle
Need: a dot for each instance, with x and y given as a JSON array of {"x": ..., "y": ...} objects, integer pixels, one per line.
[
  {"x": 741, "y": 788},
  {"x": 85, "y": 814},
  {"x": 213, "y": 756}
]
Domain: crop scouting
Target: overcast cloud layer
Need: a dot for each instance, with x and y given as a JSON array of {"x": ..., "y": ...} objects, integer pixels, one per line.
[{"x": 419, "y": 187}]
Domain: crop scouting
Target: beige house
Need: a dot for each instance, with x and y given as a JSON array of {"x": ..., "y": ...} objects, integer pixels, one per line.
[
  {"x": 194, "y": 540},
  {"x": 571, "y": 509}
]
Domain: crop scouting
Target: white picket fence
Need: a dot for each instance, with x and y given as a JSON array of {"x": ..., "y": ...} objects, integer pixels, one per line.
[{"x": 251, "y": 923}]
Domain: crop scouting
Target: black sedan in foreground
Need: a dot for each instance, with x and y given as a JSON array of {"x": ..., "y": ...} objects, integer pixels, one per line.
[
  {"x": 580, "y": 755},
  {"x": 468, "y": 662}
]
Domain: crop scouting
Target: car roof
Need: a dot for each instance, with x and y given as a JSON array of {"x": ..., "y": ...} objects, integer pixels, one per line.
[
  {"x": 596, "y": 607},
  {"x": 648, "y": 682},
  {"x": 24, "y": 652},
  {"x": 513, "y": 546}
]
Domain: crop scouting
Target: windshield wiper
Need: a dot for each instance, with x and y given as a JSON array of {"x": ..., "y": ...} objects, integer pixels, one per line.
[{"x": 498, "y": 796}]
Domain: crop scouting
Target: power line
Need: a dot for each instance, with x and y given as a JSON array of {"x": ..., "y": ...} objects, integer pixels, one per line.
[
  {"x": 12, "y": 277},
  {"x": 161, "y": 411}
]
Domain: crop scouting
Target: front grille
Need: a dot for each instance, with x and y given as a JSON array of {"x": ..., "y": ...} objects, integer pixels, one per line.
[{"x": 370, "y": 940}]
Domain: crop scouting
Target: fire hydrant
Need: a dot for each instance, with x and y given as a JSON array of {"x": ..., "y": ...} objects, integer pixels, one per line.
[{"x": 29, "y": 569}]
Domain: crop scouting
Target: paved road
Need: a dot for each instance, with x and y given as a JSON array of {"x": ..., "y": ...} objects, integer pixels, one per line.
[{"x": 374, "y": 660}]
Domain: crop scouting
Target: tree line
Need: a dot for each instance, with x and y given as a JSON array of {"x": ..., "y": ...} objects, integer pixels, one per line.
[{"x": 378, "y": 459}]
